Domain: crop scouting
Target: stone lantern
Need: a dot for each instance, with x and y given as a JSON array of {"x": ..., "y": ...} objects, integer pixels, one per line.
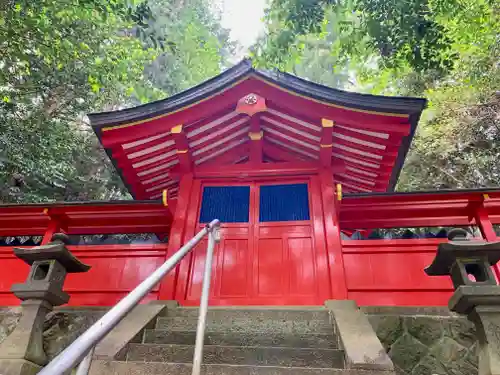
[
  {"x": 477, "y": 294},
  {"x": 22, "y": 351}
]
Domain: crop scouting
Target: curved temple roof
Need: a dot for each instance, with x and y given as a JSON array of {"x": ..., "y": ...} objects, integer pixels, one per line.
[{"x": 363, "y": 138}]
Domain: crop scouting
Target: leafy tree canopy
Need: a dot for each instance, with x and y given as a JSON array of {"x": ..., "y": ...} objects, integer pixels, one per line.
[
  {"x": 445, "y": 50},
  {"x": 61, "y": 59}
]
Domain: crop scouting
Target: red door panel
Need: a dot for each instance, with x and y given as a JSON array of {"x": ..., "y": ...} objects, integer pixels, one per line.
[
  {"x": 263, "y": 262},
  {"x": 196, "y": 270},
  {"x": 270, "y": 266},
  {"x": 231, "y": 268},
  {"x": 301, "y": 265}
]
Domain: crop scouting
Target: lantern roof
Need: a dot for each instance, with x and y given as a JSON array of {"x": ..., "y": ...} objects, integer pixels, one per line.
[{"x": 363, "y": 138}]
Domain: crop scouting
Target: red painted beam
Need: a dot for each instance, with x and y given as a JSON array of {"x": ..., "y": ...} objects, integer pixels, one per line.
[
  {"x": 10, "y": 220},
  {"x": 310, "y": 152},
  {"x": 120, "y": 229},
  {"x": 160, "y": 175},
  {"x": 326, "y": 143},
  {"x": 390, "y": 154},
  {"x": 229, "y": 157},
  {"x": 255, "y": 134},
  {"x": 136, "y": 186},
  {"x": 215, "y": 149},
  {"x": 183, "y": 152},
  {"x": 367, "y": 169},
  {"x": 106, "y": 223},
  {"x": 130, "y": 132},
  {"x": 23, "y": 231},
  {"x": 294, "y": 133},
  {"x": 391, "y": 144},
  {"x": 279, "y": 153},
  {"x": 315, "y": 110},
  {"x": 226, "y": 113},
  {"x": 313, "y": 129},
  {"x": 384, "y": 162},
  {"x": 158, "y": 156},
  {"x": 155, "y": 190},
  {"x": 164, "y": 183},
  {"x": 414, "y": 210},
  {"x": 354, "y": 185},
  {"x": 161, "y": 144},
  {"x": 358, "y": 170},
  {"x": 388, "y": 123},
  {"x": 164, "y": 165},
  {"x": 408, "y": 222},
  {"x": 265, "y": 170},
  {"x": 366, "y": 184},
  {"x": 213, "y": 131}
]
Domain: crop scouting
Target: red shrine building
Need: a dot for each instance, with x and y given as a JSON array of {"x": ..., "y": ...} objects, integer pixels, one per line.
[{"x": 302, "y": 178}]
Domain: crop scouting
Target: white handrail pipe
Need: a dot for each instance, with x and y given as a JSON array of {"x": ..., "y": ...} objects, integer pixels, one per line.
[
  {"x": 213, "y": 237},
  {"x": 74, "y": 353}
]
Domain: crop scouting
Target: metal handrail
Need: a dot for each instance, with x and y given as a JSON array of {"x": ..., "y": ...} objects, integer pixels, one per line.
[{"x": 81, "y": 350}]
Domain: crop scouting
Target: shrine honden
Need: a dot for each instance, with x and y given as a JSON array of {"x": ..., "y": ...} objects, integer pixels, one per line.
[{"x": 302, "y": 178}]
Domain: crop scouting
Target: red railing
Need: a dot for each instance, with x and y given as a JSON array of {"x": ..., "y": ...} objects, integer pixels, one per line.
[
  {"x": 377, "y": 272},
  {"x": 116, "y": 269},
  {"x": 391, "y": 271}
]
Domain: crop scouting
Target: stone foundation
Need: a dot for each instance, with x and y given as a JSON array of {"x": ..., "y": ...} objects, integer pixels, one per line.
[
  {"x": 62, "y": 326},
  {"x": 426, "y": 341},
  {"x": 420, "y": 341}
]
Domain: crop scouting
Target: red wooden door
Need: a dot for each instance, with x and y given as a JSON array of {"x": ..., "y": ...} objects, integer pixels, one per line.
[{"x": 264, "y": 260}]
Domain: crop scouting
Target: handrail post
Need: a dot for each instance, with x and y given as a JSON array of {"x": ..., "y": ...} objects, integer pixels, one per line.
[
  {"x": 84, "y": 366},
  {"x": 213, "y": 237}
]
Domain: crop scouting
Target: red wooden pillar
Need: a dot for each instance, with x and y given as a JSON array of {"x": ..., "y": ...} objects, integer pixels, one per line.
[
  {"x": 326, "y": 144},
  {"x": 56, "y": 224},
  {"x": 333, "y": 239},
  {"x": 177, "y": 231},
  {"x": 183, "y": 152},
  {"x": 484, "y": 223},
  {"x": 190, "y": 229},
  {"x": 486, "y": 228}
]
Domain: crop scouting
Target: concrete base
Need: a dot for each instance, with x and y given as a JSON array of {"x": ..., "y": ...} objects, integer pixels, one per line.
[
  {"x": 26, "y": 341},
  {"x": 487, "y": 321},
  {"x": 18, "y": 367},
  {"x": 362, "y": 347},
  {"x": 481, "y": 304}
]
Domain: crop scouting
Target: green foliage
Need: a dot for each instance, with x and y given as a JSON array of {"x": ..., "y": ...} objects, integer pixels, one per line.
[
  {"x": 459, "y": 139},
  {"x": 445, "y": 50},
  {"x": 311, "y": 56},
  {"x": 197, "y": 49},
  {"x": 403, "y": 33},
  {"x": 61, "y": 59},
  {"x": 400, "y": 31}
]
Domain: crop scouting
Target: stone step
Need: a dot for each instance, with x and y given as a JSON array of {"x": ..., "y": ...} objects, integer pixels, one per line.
[
  {"x": 257, "y": 356},
  {"x": 253, "y": 321},
  {"x": 157, "y": 368},
  {"x": 275, "y": 339},
  {"x": 257, "y": 312}
]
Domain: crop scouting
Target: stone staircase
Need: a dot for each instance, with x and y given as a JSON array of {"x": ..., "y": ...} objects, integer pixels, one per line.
[{"x": 246, "y": 341}]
